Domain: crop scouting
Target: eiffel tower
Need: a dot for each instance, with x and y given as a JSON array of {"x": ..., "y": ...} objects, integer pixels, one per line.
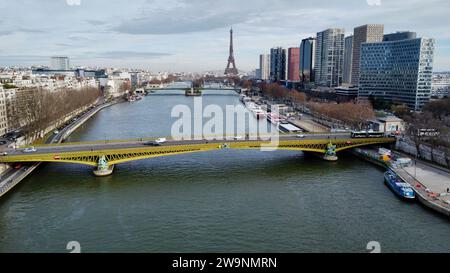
[{"x": 231, "y": 66}]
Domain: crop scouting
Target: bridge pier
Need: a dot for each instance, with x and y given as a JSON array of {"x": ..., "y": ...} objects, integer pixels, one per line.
[
  {"x": 103, "y": 168},
  {"x": 330, "y": 157},
  {"x": 330, "y": 153}
]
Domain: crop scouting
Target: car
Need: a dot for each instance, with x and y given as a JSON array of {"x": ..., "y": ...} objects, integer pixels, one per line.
[
  {"x": 17, "y": 166},
  {"x": 238, "y": 138},
  {"x": 2, "y": 142},
  {"x": 161, "y": 140},
  {"x": 300, "y": 136},
  {"x": 29, "y": 150},
  {"x": 152, "y": 143},
  {"x": 4, "y": 153},
  {"x": 56, "y": 132}
]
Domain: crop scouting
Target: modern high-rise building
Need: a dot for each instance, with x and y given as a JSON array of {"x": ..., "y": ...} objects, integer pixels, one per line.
[
  {"x": 59, "y": 63},
  {"x": 258, "y": 73},
  {"x": 399, "y": 71},
  {"x": 329, "y": 57},
  {"x": 370, "y": 33},
  {"x": 348, "y": 60},
  {"x": 278, "y": 64},
  {"x": 264, "y": 66},
  {"x": 307, "y": 59},
  {"x": 401, "y": 35},
  {"x": 293, "y": 64}
]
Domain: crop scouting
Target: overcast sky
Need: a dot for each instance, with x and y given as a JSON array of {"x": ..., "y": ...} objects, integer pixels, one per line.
[{"x": 192, "y": 35}]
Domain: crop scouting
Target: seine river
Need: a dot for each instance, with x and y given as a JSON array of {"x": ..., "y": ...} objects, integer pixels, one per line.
[{"x": 219, "y": 201}]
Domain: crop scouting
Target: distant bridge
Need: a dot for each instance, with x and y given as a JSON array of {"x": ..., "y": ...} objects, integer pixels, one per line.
[{"x": 109, "y": 153}]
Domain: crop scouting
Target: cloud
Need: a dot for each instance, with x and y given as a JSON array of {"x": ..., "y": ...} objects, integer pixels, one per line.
[
  {"x": 23, "y": 59},
  {"x": 30, "y": 30},
  {"x": 96, "y": 22},
  {"x": 193, "y": 34},
  {"x": 63, "y": 44},
  {"x": 5, "y": 32},
  {"x": 175, "y": 25},
  {"x": 186, "y": 16},
  {"x": 129, "y": 55}
]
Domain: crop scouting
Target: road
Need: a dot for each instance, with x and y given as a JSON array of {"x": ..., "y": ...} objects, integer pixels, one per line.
[
  {"x": 11, "y": 177},
  {"x": 110, "y": 145}
]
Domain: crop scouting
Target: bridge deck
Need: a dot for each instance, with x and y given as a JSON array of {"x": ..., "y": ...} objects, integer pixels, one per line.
[{"x": 119, "y": 152}]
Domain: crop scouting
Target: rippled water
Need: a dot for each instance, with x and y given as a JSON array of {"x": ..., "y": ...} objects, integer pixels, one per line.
[{"x": 231, "y": 200}]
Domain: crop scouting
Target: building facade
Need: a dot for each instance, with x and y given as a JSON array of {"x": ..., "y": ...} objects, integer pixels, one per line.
[
  {"x": 264, "y": 67},
  {"x": 401, "y": 35},
  {"x": 278, "y": 64},
  {"x": 3, "y": 113},
  {"x": 441, "y": 85},
  {"x": 293, "y": 64},
  {"x": 59, "y": 63},
  {"x": 348, "y": 59},
  {"x": 329, "y": 57},
  {"x": 307, "y": 60},
  {"x": 370, "y": 33},
  {"x": 397, "y": 71}
]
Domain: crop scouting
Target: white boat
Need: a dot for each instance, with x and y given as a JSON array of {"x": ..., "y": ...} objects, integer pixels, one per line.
[
  {"x": 259, "y": 113},
  {"x": 275, "y": 119}
]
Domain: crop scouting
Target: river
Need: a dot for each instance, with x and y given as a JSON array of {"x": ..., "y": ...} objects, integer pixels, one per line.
[{"x": 218, "y": 201}]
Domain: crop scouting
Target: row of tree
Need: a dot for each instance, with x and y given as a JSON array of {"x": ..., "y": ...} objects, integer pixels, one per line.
[
  {"x": 37, "y": 109},
  {"x": 435, "y": 116},
  {"x": 354, "y": 114}
]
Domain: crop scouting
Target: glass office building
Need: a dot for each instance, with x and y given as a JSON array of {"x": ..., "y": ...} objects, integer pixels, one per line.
[
  {"x": 307, "y": 59},
  {"x": 399, "y": 71},
  {"x": 278, "y": 64}
]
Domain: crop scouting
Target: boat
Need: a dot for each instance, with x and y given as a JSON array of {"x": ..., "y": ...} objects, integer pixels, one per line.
[
  {"x": 398, "y": 186},
  {"x": 275, "y": 119},
  {"x": 258, "y": 113}
]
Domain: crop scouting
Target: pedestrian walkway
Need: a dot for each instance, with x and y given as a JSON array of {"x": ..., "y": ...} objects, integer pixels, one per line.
[
  {"x": 309, "y": 125},
  {"x": 435, "y": 182}
]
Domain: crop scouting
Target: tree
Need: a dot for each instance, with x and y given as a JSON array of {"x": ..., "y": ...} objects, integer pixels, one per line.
[
  {"x": 36, "y": 109},
  {"x": 440, "y": 109},
  {"x": 401, "y": 110}
]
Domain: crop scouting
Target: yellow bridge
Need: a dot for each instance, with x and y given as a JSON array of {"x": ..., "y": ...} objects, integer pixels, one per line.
[{"x": 110, "y": 153}]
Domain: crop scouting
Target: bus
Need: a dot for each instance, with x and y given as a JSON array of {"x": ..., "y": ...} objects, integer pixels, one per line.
[{"x": 366, "y": 134}]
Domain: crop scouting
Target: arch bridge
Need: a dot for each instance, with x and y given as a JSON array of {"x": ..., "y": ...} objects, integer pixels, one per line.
[{"x": 105, "y": 154}]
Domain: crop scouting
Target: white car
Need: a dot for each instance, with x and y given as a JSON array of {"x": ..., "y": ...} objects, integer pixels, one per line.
[
  {"x": 29, "y": 150},
  {"x": 161, "y": 140},
  {"x": 300, "y": 136},
  {"x": 238, "y": 138}
]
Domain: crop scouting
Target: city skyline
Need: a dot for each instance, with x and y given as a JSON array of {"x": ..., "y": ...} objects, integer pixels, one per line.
[{"x": 131, "y": 35}]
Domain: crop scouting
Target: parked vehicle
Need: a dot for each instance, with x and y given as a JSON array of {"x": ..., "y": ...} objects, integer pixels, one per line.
[{"x": 300, "y": 136}]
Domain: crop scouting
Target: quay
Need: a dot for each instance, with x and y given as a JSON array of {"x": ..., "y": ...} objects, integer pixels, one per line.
[
  {"x": 12, "y": 177},
  {"x": 431, "y": 184}
]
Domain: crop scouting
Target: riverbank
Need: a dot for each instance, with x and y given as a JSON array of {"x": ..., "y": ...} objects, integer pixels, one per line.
[
  {"x": 430, "y": 184},
  {"x": 12, "y": 177}
]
